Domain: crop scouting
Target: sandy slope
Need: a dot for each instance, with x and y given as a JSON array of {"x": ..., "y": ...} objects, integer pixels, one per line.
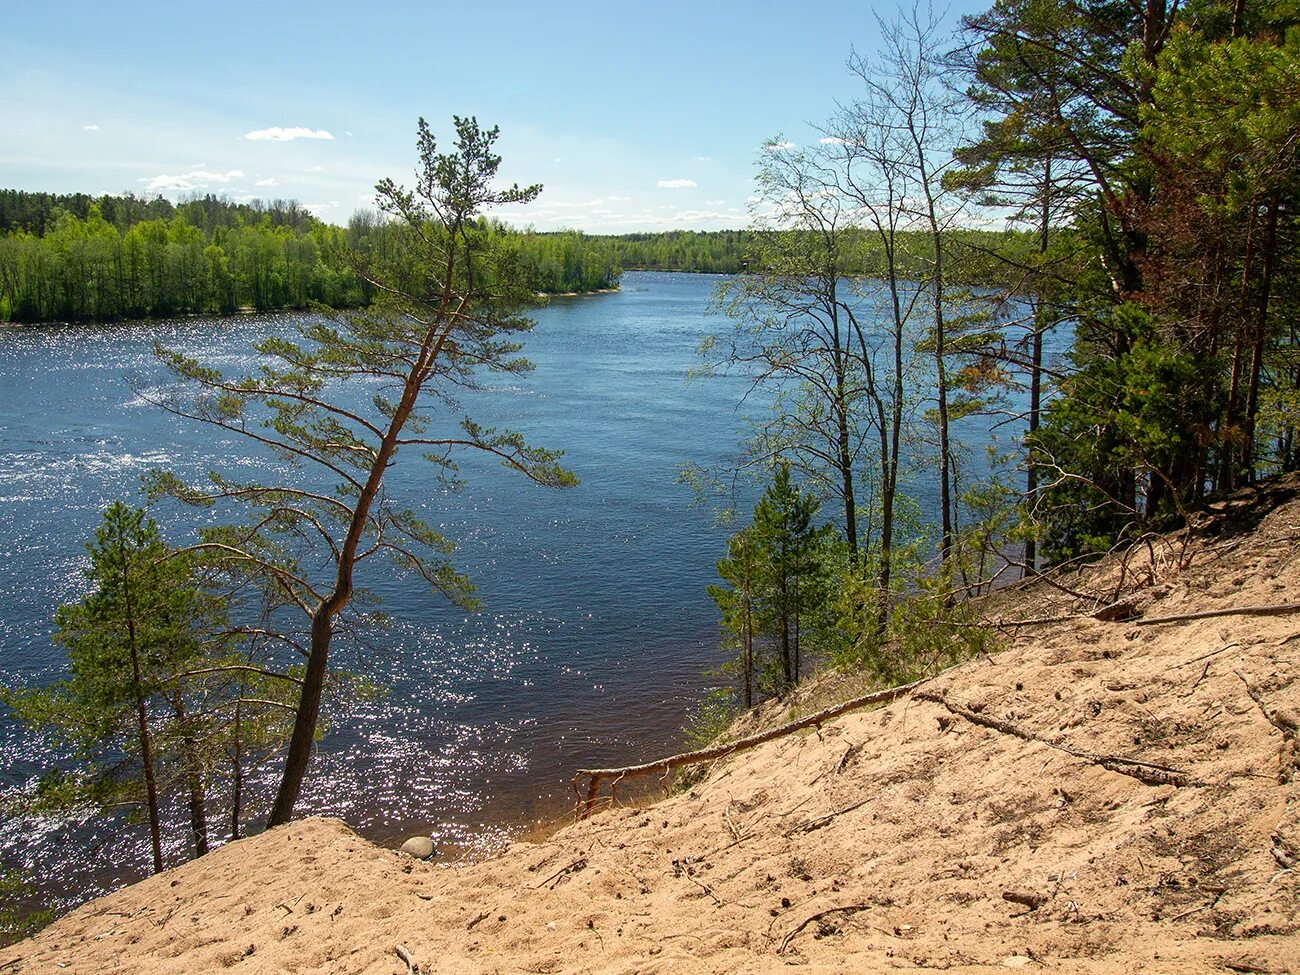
[{"x": 938, "y": 816}]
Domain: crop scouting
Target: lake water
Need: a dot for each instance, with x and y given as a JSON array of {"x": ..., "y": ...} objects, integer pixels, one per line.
[{"x": 597, "y": 628}]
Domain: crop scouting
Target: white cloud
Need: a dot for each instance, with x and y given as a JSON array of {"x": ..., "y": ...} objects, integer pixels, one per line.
[
  {"x": 714, "y": 203},
  {"x": 277, "y": 134},
  {"x": 91, "y": 128},
  {"x": 319, "y": 210},
  {"x": 777, "y": 146},
  {"x": 314, "y": 169},
  {"x": 702, "y": 158},
  {"x": 677, "y": 184},
  {"x": 195, "y": 179},
  {"x": 269, "y": 181}
]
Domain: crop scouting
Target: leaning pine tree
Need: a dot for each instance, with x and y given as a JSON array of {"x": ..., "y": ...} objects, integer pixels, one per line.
[{"x": 448, "y": 308}]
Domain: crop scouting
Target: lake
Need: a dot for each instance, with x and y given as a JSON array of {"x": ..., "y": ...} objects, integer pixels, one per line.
[{"x": 597, "y": 628}]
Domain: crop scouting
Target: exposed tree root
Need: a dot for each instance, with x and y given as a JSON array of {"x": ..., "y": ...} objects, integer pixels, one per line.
[
  {"x": 663, "y": 766},
  {"x": 1280, "y": 609},
  {"x": 1286, "y": 726},
  {"x": 1146, "y": 772},
  {"x": 1110, "y": 613},
  {"x": 1123, "y": 612}
]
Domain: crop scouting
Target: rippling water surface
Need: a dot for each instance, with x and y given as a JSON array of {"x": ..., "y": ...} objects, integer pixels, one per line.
[{"x": 596, "y": 627}]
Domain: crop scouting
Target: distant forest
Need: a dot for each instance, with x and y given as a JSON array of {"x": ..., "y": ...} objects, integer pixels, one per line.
[
  {"x": 81, "y": 258},
  {"x": 76, "y": 257}
]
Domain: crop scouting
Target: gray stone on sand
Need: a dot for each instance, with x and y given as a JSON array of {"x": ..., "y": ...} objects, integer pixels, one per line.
[{"x": 420, "y": 847}]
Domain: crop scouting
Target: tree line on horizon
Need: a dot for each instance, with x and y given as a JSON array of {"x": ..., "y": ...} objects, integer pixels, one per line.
[
  {"x": 78, "y": 258},
  {"x": 81, "y": 258}
]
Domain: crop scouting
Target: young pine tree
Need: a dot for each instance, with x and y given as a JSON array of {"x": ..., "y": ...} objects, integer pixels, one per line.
[
  {"x": 784, "y": 531},
  {"x": 135, "y": 629}
]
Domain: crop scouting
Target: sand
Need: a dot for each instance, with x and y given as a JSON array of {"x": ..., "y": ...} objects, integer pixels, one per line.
[{"x": 885, "y": 841}]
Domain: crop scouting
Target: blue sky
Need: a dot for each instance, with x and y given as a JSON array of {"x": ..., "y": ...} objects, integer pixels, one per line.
[{"x": 635, "y": 116}]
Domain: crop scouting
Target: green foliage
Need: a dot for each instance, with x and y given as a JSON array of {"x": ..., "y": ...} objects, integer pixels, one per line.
[
  {"x": 925, "y": 632},
  {"x": 19, "y": 916},
  {"x": 134, "y": 628},
  {"x": 1166, "y": 137},
  {"x": 773, "y": 596},
  {"x": 711, "y": 717},
  {"x": 164, "y": 695},
  {"x": 1125, "y": 425},
  {"x": 194, "y": 261}
]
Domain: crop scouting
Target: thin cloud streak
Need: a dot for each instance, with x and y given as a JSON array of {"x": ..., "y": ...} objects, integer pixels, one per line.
[{"x": 277, "y": 134}]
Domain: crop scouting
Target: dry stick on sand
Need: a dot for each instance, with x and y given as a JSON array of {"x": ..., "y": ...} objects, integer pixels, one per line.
[
  {"x": 1146, "y": 772},
  {"x": 572, "y": 868},
  {"x": 821, "y": 821},
  {"x": 846, "y": 909},
  {"x": 665, "y": 765}
]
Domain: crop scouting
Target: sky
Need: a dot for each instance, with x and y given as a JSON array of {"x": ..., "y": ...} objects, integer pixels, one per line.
[{"x": 633, "y": 116}]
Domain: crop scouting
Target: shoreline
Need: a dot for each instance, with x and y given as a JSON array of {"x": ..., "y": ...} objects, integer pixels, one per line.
[{"x": 246, "y": 312}]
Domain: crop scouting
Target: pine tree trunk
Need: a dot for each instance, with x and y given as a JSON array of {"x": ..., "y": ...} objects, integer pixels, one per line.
[
  {"x": 142, "y": 721},
  {"x": 237, "y": 769},
  {"x": 322, "y": 621},
  {"x": 193, "y": 779},
  {"x": 1260, "y": 339}
]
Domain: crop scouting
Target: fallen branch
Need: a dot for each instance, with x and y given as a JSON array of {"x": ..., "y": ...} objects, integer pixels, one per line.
[
  {"x": 574, "y": 867},
  {"x": 1111, "y": 612},
  {"x": 846, "y": 909},
  {"x": 663, "y": 766},
  {"x": 1146, "y": 772},
  {"x": 821, "y": 821},
  {"x": 1280, "y": 609},
  {"x": 405, "y": 955}
]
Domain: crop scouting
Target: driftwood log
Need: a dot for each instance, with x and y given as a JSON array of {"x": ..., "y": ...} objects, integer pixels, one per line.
[{"x": 585, "y": 800}]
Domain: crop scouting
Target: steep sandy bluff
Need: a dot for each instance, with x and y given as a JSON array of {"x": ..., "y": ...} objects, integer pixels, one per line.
[{"x": 1134, "y": 781}]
